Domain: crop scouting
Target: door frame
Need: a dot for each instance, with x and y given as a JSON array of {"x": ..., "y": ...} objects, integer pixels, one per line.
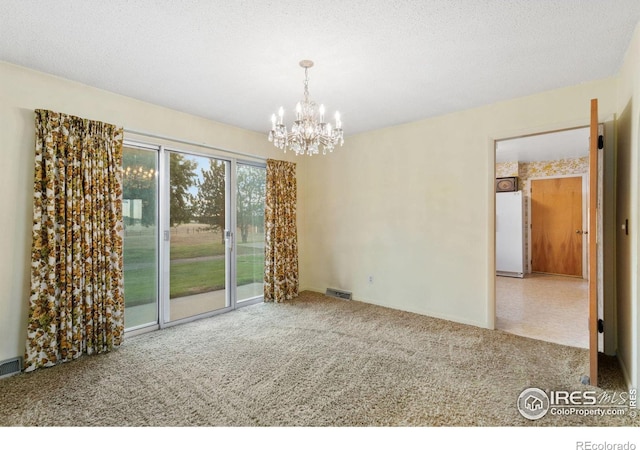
[
  {"x": 491, "y": 251},
  {"x": 585, "y": 219}
]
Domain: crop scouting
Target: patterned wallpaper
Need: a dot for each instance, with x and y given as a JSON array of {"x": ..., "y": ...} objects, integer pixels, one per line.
[
  {"x": 571, "y": 166},
  {"x": 507, "y": 169},
  {"x": 538, "y": 169}
]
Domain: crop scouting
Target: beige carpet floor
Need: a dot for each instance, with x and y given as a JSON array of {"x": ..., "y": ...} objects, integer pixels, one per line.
[{"x": 316, "y": 361}]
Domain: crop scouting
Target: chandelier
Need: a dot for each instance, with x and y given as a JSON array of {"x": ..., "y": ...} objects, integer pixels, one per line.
[{"x": 309, "y": 131}]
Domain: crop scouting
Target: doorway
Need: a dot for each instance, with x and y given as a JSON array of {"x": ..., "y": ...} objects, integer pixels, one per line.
[{"x": 546, "y": 304}]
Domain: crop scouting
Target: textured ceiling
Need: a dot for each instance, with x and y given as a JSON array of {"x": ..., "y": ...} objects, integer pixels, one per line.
[{"x": 379, "y": 62}]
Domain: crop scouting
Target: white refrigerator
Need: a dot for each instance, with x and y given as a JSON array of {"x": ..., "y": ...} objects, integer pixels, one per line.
[{"x": 510, "y": 234}]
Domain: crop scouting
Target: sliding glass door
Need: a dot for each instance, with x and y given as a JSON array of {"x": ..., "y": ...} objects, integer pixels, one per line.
[
  {"x": 194, "y": 234},
  {"x": 198, "y": 254}
]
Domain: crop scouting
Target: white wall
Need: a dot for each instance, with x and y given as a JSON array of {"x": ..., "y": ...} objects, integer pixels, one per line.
[
  {"x": 628, "y": 246},
  {"x": 21, "y": 92},
  {"x": 413, "y": 205}
]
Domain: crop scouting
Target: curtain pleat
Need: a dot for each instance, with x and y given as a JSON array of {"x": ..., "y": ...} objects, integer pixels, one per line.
[
  {"x": 76, "y": 304},
  {"x": 281, "y": 235}
]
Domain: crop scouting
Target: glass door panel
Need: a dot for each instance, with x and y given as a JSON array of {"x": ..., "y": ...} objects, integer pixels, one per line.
[
  {"x": 197, "y": 220},
  {"x": 140, "y": 244},
  {"x": 249, "y": 237}
]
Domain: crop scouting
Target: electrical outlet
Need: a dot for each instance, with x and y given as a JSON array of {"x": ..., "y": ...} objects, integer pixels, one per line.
[{"x": 370, "y": 279}]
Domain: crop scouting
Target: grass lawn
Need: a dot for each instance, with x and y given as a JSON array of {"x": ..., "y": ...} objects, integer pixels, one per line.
[
  {"x": 139, "y": 286},
  {"x": 204, "y": 276},
  {"x": 186, "y": 277}
]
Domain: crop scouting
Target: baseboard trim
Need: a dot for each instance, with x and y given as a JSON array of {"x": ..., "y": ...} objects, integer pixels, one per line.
[{"x": 422, "y": 313}]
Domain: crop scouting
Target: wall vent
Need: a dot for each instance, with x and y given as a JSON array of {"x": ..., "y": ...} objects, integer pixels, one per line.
[
  {"x": 345, "y": 295},
  {"x": 10, "y": 367}
]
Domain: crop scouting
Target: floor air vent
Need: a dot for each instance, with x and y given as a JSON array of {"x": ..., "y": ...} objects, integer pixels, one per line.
[
  {"x": 345, "y": 295},
  {"x": 10, "y": 367}
]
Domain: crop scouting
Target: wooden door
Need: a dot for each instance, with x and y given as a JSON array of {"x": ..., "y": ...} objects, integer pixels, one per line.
[{"x": 556, "y": 226}]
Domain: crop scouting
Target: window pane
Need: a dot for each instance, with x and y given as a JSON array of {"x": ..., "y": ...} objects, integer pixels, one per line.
[
  {"x": 140, "y": 237},
  {"x": 251, "y": 182}
]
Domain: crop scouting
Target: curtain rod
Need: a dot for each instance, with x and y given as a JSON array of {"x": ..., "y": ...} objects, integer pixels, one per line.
[{"x": 197, "y": 144}]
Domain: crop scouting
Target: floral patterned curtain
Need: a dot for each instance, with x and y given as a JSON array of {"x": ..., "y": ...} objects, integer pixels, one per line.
[
  {"x": 281, "y": 235},
  {"x": 77, "y": 302}
]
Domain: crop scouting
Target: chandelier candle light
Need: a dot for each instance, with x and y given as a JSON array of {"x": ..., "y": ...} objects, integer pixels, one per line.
[{"x": 309, "y": 131}]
